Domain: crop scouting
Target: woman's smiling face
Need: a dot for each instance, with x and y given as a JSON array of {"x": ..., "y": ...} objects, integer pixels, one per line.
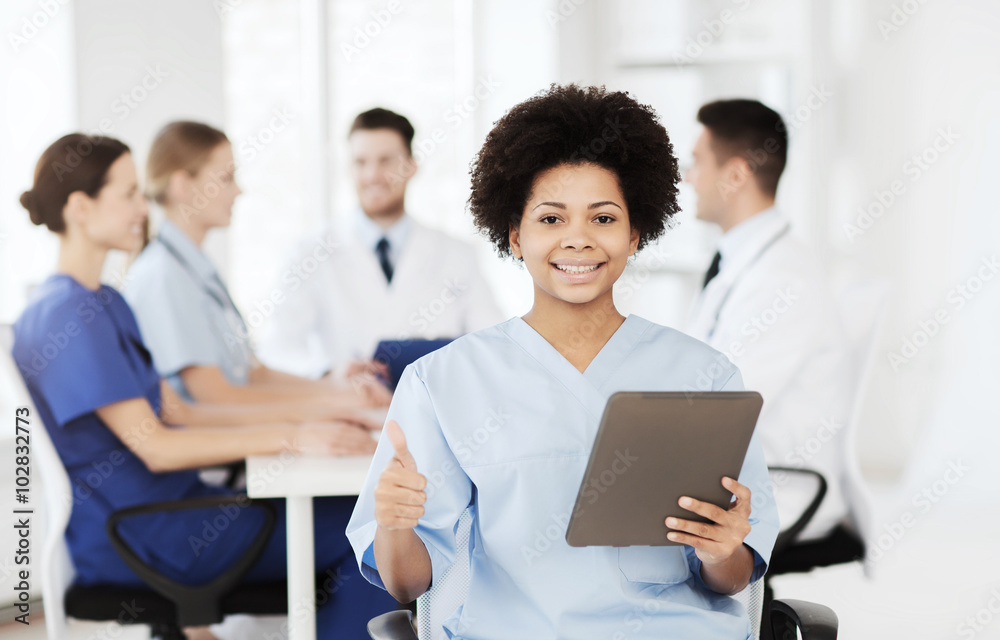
[{"x": 575, "y": 237}]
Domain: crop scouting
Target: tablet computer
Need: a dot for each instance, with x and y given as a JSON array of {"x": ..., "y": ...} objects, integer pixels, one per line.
[
  {"x": 652, "y": 448},
  {"x": 396, "y": 354}
]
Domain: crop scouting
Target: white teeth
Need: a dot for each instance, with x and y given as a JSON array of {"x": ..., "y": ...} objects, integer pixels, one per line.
[{"x": 571, "y": 269}]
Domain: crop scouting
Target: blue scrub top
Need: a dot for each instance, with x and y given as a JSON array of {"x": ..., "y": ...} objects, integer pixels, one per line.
[
  {"x": 79, "y": 350},
  {"x": 500, "y": 421}
]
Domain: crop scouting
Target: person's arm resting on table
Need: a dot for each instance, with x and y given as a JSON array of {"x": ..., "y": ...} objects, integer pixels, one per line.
[
  {"x": 209, "y": 384},
  {"x": 163, "y": 448}
]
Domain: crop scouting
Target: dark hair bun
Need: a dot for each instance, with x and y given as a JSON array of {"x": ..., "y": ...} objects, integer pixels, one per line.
[
  {"x": 89, "y": 157},
  {"x": 28, "y": 202}
]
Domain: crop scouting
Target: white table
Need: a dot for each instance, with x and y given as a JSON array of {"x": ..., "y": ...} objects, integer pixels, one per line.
[{"x": 298, "y": 479}]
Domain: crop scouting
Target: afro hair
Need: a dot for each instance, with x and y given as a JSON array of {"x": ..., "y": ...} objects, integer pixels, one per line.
[{"x": 575, "y": 125}]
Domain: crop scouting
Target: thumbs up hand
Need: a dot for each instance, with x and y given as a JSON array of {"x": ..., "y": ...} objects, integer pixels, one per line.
[{"x": 399, "y": 494}]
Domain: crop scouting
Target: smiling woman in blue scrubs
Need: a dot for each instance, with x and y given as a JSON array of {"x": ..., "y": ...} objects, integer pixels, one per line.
[
  {"x": 111, "y": 418},
  {"x": 573, "y": 182}
]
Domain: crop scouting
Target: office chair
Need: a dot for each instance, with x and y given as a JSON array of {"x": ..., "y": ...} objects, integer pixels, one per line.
[
  {"x": 812, "y": 621},
  {"x": 863, "y": 306},
  {"x": 165, "y": 606}
]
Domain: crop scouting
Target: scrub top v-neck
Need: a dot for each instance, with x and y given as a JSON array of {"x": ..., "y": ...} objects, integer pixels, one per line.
[{"x": 584, "y": 384}]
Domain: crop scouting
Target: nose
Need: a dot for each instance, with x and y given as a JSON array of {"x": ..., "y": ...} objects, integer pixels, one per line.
[
  {"x": 577, "y": 236},
  {"x": 370, "y": 173}
]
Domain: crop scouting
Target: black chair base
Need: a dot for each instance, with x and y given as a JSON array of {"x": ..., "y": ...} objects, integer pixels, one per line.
[
  {"x": 138, "y": 605},
  {"x": 839, "y": 547}
]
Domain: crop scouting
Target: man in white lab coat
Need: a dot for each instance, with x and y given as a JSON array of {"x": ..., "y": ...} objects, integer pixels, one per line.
[
  {"x": 378, "y": 274},
  {"x": 767, "y": 305}
]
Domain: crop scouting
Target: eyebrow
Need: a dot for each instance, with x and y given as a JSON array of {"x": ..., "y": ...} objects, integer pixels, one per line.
[{"x": 560, "y": 205}]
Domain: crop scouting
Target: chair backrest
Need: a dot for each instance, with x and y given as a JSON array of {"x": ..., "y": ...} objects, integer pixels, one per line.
[
  {"x": 752, "y": 599},
  {"x": 863, "y": 308},
  {"x": 441, "y": 600},
  {"x": 437, "y": 605},
  {"x": 57, "y": 568}
]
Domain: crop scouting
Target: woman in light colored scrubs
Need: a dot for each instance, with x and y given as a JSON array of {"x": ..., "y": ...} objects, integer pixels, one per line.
[
  {"x": 573, "y": 182},
  {"x": 196, "y": 334}
]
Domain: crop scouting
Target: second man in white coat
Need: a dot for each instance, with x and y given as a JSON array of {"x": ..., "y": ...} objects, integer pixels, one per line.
[{"x": 766, "y": 303}]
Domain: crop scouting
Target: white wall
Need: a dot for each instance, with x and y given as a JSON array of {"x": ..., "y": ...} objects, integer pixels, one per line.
[
  {"x": 140, "y": 65},
  {"x": 936, "y": 71},
  {"x": 36, "y": 67}
]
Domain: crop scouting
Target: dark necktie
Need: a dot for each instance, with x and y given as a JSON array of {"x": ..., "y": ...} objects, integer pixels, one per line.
[
  {"x": 382, "y": 249},
  {"x": 713, "y": 269}
]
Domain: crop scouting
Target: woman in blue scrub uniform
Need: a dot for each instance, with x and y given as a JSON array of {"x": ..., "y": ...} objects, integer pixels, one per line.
[
  {"x": 80, "y": 352},
  {"x": 572, "y": 182}
]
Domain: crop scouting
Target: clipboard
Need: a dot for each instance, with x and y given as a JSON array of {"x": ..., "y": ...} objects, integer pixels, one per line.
[{"x": 396, "y": 354}]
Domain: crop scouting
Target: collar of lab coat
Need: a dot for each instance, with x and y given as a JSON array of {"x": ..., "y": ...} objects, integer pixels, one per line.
[
  {"x": 739, "y": 247},
  {"x": 193, "y": 257},
  {"x": 742, "y": 243},
  {"x": 370, "y": 233}
]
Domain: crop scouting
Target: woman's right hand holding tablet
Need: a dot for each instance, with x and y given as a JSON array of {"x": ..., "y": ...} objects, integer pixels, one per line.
[{"x": 399, "y": 494}]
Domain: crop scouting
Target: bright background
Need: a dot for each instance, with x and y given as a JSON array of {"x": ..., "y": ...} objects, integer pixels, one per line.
[{"x": 866, "y": 85}]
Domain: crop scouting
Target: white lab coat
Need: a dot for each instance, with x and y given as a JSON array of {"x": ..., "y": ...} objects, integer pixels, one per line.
[
  {"x": 335, "y": 304},
  {"x": 771, "y": 310}
]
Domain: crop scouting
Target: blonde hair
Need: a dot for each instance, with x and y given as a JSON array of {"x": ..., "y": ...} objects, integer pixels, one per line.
[{"x": 179, "y": 146}]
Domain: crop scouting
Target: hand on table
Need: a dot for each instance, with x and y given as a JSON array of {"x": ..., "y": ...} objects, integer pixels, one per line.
[
  {"x": 370, "y": 367},
  {"x": 364, "y": 390},
  {"x": 372, "y": 389},
  {"x": 333, "y": 439}
]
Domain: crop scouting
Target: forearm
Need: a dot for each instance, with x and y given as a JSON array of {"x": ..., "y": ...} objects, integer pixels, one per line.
[
  {"x": 731, "y": 576},
  {"x": 312, "y": 400},
  {"x": 403, "y": 563},
  {"x": 179, "y": 448},
  {"x": 247, "y": 394},
  {"x": 315, "y": 399},
  {"x": 270, "y": 377},
  {"x": 229, "y": 415}
]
